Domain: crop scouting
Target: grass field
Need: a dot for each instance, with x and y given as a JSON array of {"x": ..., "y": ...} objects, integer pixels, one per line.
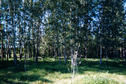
[{"x": 53, "y": 72}]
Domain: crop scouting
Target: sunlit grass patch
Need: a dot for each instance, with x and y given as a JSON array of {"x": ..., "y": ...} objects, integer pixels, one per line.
[
  {"x": 93, "y": 78},
  {"x": 96, "y": 79},
  {"x": 55, "y": 72}
]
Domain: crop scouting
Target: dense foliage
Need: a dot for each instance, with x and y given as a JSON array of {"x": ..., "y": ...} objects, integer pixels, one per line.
[{"x": 63, "y": 28}]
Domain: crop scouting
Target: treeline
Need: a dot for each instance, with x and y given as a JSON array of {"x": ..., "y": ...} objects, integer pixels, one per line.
[{"x": 63, "y": 29}]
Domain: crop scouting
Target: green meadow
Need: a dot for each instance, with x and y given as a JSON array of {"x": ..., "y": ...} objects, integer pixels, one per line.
[{"x": 50, "y": 71}]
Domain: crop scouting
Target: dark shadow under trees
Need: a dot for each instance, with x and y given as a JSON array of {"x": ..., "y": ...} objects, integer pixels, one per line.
[{"x": 10, "y": 72}]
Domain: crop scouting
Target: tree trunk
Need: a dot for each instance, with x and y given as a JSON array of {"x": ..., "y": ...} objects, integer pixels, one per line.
[
  {"x": 85, "y": 52},
  {"x": 34, "y": 52},
  {"x": 33, "y": 43},
  {"x": 106, "y": 53},
  {"x": 25, "y": 62},
  {"x": 65, "y": 57},
  {"x": 100, "y": 54},
  {"x": 2, "y": 51},
  {"x": 74, "y": 55},
  {"x": 12, "y": 14},
  {"x": 20, "y": 52},
  {"x": 20, "y": 46},
  {"x": 125, "y": 53},
  {"x": 37, "y": 53},
  {"x": 72, "y": 63},
  {"x": 8, "y": 49}
]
